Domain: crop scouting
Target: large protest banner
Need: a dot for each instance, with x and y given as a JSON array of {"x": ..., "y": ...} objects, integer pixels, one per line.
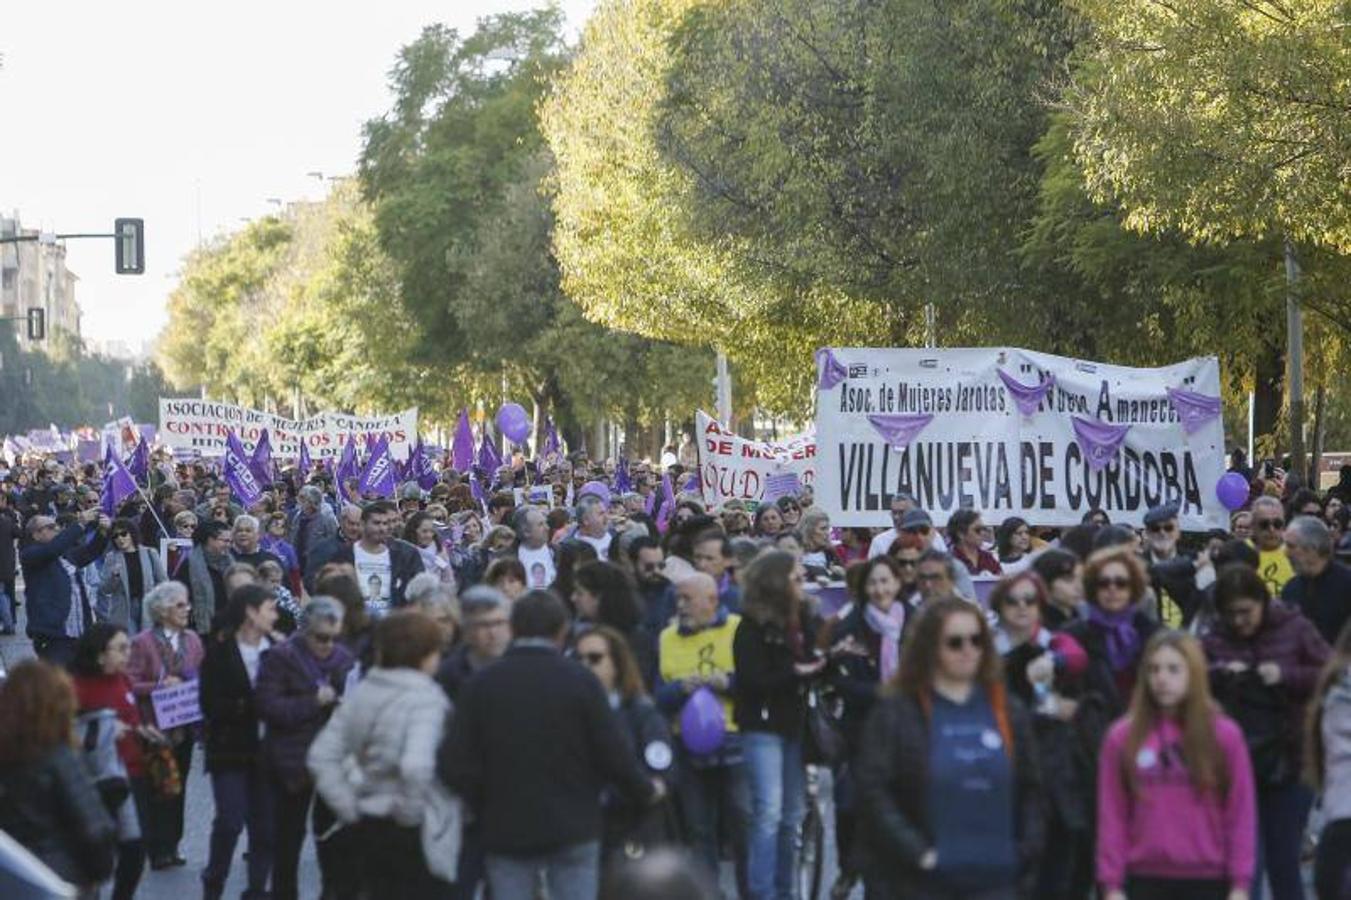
[
  {"x": 734, "y": 468},
  {"x": 201, "y": 425},
  {"x": 1016, "y": 433}
]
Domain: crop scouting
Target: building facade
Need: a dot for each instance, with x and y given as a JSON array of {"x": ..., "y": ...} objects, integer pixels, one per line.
[{"x": 34, "y": 274}]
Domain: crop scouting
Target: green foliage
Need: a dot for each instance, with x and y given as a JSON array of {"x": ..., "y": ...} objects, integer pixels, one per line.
[{"x": 1219, "y": 119}]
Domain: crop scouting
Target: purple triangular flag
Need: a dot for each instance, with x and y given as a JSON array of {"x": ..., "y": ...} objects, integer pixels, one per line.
[
  {"x": 1099, "y": 440},
  {"x": 831, "y": 370},
  {"x": 347, "y": 468},
  {"x": 304, "y": 464},
  {"x": 139, "y": 463},
  {"x": 378, "y": 477},
  {"x": 118, "y": 484},
  {"x": 1027, "y": 398},
  {"x": 899, "y": 430},
  {"x": 1195, "y": 410},
  {"x": 239, "y": 473},
  {"x": 462, "y": 444},
  {"x": 261, "y": 463},
  {"x": 488, "y": 458}
]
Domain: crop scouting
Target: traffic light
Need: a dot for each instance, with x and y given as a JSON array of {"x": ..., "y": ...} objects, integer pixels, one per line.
[
  {"x": 129, "y": 241},
  {"x": 37, "y": 323}
]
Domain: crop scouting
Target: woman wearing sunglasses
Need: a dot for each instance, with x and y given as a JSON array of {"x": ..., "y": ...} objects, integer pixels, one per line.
[
  {"x": 130, "y": 572},
  {"x": 630, "y": 832},
  {"x": 967, "y": 533},
  {"x": 1114, "y": 629},
  {"x": 1042, "y": 668},
  {"x": 947, "y": 781}
]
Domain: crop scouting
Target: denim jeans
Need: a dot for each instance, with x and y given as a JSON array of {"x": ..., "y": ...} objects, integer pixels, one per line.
[
  {"x": 571, "y": 873},
  {"x": 1282, "y": 813},
  {"x": 242, "y": 798},
  {"x": 6, "y": 609},
  {"x": 778, "y": 783},
  {"x": 718, "y": 795}
]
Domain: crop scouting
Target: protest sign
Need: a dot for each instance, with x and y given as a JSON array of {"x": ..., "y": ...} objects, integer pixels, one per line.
[
  {"x": 734, "y": 468},
  {"x": 201, "y": 425},
  {"x": 176, "y": 705},
  {"x": 1016, "y": 433}
]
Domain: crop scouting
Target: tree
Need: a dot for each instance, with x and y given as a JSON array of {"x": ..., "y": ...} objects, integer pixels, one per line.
[
  {"x": 1219, "y": 119},
  {"x": 625, "y": 241}
]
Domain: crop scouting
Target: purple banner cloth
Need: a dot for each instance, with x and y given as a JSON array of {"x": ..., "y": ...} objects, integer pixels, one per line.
[
  {"x": 239, "y": 473},
  {"x": 489, "y": 460},
  {"x": 899, "y": 430},
  {"x": 421, "y": 468},
  {"x": 831, "y": 370},
  {"x": 1195, "y": 410},
  {"x": 118, "y": 484},
  {"x": 139, "y": 462},
  {"x": 347, "y": 468},
  {"x": 378, "y": 477},
  {"x": 1027, "y": 398},
  {"x": 303, "y": 464},
  {"x": 462, "y": 444},
  {"x": 261, "y": 463},
  {"x": 1099, "y": 440}
]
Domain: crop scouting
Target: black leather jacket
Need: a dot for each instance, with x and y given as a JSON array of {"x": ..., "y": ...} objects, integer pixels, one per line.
[{"x": 50, "y": 806}]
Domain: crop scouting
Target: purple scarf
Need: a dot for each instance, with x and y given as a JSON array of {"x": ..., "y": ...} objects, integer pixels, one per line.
[
  {"x": 888, "y": 625},
  {"x": 1123, "y": 641}
]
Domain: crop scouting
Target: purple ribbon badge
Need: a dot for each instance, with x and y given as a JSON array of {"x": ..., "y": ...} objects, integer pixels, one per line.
[
  {"x": 1195, "y": 410},
  {"x": 1027, "y": 398},
  {"x": 832, "y": 371},
  {"x": 1099, "y": 440},
  {"x": 899, "y": 430}
]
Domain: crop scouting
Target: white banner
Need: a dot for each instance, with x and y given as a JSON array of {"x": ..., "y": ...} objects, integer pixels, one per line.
[
  {"x": 734, "y": 468},
  {"x": 946, "y": 428},
  {"x": 201, "y": 425}
]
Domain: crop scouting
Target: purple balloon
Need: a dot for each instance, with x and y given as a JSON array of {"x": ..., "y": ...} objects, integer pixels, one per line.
[
  {"x": 1232, "y": 491},
  {"x": 702, "y": 726},
  {"x": 514, "y": 422}
]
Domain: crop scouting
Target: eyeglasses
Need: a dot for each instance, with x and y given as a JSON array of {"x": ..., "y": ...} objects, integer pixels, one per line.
[
  {"x": 594, "y": 659},
  {"x": 932, "y": 576},
  {"x": 1165, "y": 527},
  {"x": 1121, "y": 583},
  {"x": 1020, "y": 600},
  {"x": 955, "y": 642},
  {"x": 1268, "y": 524},
  {"x": 907, "y": 563}
]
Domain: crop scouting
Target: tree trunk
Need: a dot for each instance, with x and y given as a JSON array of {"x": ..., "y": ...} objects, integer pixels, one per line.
[{"x": 1268, "y": 383}]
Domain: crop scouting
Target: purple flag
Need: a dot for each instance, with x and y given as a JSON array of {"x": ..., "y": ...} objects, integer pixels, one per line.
[
  {"x": 623, "y": 484},
  {"x": 261, "y": 463},
  {"x": 1027, "y": 398},
  {"x": 239, "y": 473},
  {"x": 421, "y": 468},
  {"x": 1099, "y": 440},
  {"x": 378, "y": 476},
  {"x": 476, "y": 491},
  {"x": 553, "y": 447},
  {"x": 488, "y": 459},
  {"x": 303, "y": 464},
  {"x": 462, "y": 445},
  {"x": 899, "y": 430},
  {"x": 1195, "y": 410},
  {"x": 118, "y": 484},
  {"x": 347, "y": 468},
  {"x": 139, "y": 463},
  {"x": 694, "y": 484},
  {"x": 832, "y": 371},
  {"x": 667, "y": 503}
]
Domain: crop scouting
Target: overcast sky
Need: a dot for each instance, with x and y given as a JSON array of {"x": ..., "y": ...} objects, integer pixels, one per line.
[{"x": 189, "y": 115}]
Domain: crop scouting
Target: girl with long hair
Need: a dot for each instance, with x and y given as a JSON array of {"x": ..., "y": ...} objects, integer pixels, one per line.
[
  {"x": 773, "y": 655},
  {"x": 1177, "y": 813},
  {"x": 48, "y": 802},
  {"x": 1329, "y": 769},
  {"x": 947, "y": 781}
]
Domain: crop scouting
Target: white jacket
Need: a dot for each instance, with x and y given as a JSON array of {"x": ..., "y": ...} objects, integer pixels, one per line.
[{"x": 377, "y": 756}]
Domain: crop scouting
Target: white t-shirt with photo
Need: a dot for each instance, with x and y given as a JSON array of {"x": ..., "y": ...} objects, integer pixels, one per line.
[
  {"x": 539, "y": 566},
  {"x": 373, "y": 573}
]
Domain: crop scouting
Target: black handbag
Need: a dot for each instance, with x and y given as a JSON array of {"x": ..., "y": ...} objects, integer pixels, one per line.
[{"x": 825, "y": 744}]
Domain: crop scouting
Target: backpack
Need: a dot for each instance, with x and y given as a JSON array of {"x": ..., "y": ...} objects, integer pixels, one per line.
[{"x": 97, "y": 730}]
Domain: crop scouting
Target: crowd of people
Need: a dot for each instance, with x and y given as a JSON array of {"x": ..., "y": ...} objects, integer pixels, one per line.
[{"x": 539, "y": 681}]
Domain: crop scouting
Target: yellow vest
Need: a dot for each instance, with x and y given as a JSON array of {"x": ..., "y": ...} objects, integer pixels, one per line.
[
  {"x": 1275, "y": 568},
  {"x": 702, "y": 654}
]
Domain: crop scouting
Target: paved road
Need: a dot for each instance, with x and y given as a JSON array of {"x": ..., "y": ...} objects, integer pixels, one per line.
[{"x": 184, "y": 883}]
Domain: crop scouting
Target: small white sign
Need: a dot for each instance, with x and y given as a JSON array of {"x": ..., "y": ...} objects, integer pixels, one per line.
[{"x": 176, "y": 705}]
